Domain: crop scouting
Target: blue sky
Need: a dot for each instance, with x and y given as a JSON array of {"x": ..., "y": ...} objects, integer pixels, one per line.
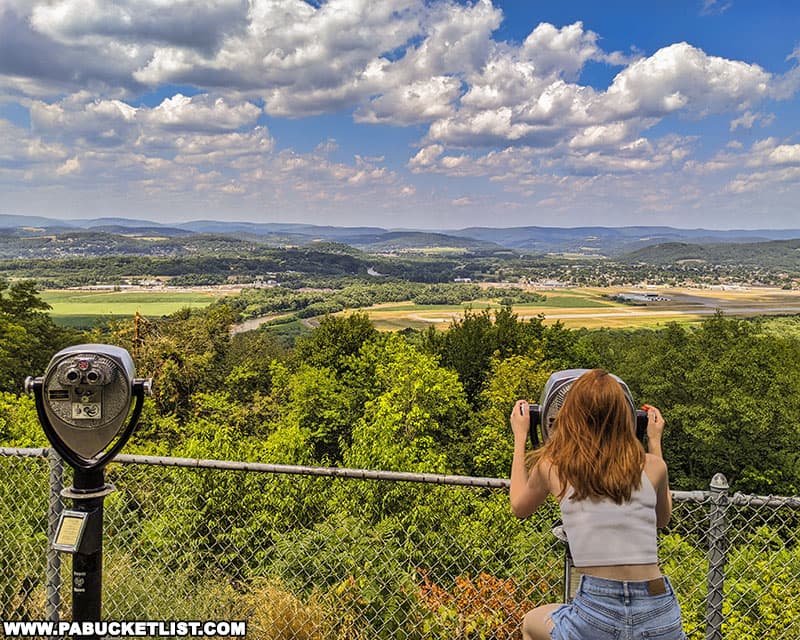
[{"x": 403, "y": 113}]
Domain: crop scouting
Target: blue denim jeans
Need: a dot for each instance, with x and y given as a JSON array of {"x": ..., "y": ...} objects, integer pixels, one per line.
[{"x": 615, "y": 610}]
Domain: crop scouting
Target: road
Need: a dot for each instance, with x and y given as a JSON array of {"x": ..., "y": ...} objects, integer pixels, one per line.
[{"x": 702, "y": 311}]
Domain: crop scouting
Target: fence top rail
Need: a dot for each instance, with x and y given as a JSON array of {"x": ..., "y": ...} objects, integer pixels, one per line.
[
  {"x": 24, "y": 452},
  {"x": 259, "y": 467},
  {"x": 739, "y": 499},
  {"x": 332, "y": 472},
  {"x": 746, "y": 500}
]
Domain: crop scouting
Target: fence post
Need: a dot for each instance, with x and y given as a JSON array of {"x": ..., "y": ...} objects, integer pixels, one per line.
[
  {"x": 55, "y": 507},
  {"x": 717, "y": 555}
]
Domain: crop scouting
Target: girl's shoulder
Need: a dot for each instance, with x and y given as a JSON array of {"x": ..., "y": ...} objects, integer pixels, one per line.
[
  {"x": 655, "y": 468},
  {"x": 548, "y": 474}
]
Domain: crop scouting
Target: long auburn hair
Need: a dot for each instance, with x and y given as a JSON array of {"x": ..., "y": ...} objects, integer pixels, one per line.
[{"x": 593, "y": 442}]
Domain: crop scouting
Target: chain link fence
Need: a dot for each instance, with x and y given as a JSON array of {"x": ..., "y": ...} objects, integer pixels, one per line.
[{"x": 310, "y": 553}]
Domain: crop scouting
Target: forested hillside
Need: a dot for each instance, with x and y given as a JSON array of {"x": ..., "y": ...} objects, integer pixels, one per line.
[
  {"x": 238, "y": 262},
  {"x": 776, "y": 254},
  {"x": 213, "y": 253}
]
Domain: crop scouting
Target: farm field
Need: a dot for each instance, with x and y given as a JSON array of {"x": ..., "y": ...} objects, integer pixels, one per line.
[
  {"x": 590, "y": 308},
  {"x": 573, "y": 307},
  {"x": 82, "y": 308}
]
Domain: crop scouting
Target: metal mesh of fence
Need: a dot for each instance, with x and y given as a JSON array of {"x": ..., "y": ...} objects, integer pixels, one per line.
[
  {"x": 762, "y": 572},
  {"x": 302, "y": 556},
  {"x": 23, "y": 537},
  {"x": 317, "y": 557}
]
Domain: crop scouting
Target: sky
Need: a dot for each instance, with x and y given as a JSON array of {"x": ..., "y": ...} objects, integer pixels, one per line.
[{"x": 426, "y": 114}]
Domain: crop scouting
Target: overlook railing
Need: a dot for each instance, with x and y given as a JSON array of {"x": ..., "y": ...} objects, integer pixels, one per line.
[{"x": 319, "y": 553}]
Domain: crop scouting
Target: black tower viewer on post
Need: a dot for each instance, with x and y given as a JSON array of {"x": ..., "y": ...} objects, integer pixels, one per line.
[{"x": 83, "y": 402}]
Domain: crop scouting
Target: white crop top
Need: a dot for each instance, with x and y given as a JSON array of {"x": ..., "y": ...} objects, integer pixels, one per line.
[{"x": 604, "y": 533}]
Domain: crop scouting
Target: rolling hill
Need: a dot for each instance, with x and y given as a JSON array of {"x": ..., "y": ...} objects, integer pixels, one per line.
[
  {"x": 776, "y": 254},
  {"x": 123, "y": 235}
]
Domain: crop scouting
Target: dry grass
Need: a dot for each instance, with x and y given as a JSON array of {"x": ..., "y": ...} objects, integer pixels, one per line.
[{"x": 273, "y": 613}]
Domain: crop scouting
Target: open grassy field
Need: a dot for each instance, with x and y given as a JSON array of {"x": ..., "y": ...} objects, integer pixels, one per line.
[
  {"x": 82, "y": 308},
  {"x": 575, "y": 307}
]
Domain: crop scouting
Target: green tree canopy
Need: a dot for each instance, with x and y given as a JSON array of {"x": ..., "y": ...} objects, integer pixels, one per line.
[{"x": 28, "y": 337}]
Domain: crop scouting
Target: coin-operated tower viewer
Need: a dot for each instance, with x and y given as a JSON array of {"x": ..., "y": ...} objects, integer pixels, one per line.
[{"x": 84, "y": 405}]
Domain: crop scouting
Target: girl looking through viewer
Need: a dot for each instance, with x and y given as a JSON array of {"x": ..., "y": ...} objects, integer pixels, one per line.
[{"x": 612, "y": 496}]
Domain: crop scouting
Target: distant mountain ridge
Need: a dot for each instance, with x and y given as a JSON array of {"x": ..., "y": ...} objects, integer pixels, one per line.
[
  {"x": 287, "y": 228},
  {"x": 590, "y": 240},
  {"x": 614, "y": 240}
]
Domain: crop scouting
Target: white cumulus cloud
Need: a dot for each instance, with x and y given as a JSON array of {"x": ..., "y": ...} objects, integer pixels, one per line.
[
  {"x": 681, "y": 76},
  {"x": 201, "y": 113}
]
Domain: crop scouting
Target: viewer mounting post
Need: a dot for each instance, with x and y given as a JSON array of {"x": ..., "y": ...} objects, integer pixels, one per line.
[{"x": 83, "y": 402}]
